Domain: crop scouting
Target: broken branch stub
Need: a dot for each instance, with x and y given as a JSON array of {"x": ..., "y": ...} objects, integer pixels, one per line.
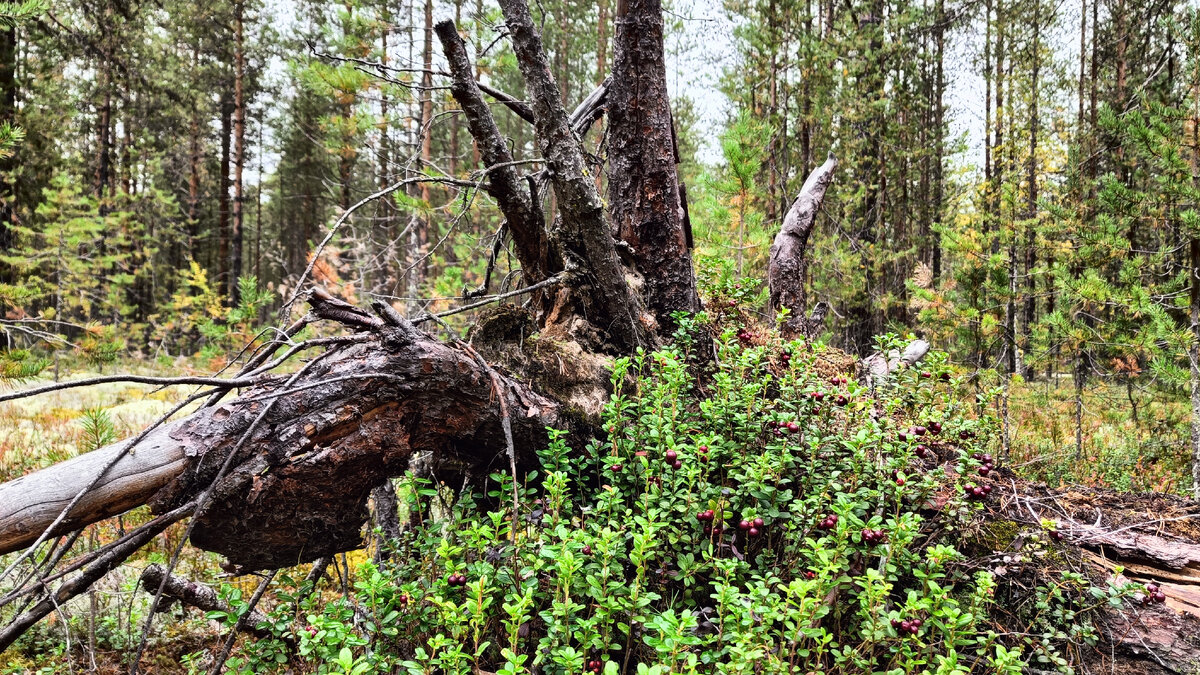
[{"x": 788, "y": 265}]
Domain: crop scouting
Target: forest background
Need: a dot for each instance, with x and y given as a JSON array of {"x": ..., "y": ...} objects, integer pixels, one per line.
[{"x": 1017, "y": 183}]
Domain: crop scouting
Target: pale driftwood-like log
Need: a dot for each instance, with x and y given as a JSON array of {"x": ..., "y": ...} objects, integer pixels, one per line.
[
  {"x": 877, "y": 366},
  {"x": 29, "y": 504},
  {"x": 643, "y": 183},
  {"x": 788, "y": 264}
]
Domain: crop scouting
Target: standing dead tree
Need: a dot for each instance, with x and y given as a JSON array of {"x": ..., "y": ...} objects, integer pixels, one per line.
[{"x": 282, "y": 472}]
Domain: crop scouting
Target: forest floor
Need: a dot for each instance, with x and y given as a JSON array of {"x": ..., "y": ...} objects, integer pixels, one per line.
[{"x": 1146, "y": 454}]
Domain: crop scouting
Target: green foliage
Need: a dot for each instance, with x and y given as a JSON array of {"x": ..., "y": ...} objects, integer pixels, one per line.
[{"x": 630, "y": 548}]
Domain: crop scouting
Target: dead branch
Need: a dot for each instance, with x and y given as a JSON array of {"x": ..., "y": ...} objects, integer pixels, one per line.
[{"x": 788, "y": 265}]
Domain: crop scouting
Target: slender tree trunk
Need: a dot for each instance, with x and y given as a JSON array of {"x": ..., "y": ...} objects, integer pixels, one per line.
[
  {"x": 223, "y": 206},
  {"x": 1031, "y": 227},
  {"x": 8, "y": 113},
  {"x": 939, "y": 130},
  {"x": 239, "y": 148}
]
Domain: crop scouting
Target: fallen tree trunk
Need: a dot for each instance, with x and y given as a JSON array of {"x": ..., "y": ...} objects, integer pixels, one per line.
[{"x": 354, "y": 420}]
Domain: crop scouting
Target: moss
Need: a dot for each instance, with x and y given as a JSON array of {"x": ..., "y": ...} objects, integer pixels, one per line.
[{"x": 994, "y": 535}]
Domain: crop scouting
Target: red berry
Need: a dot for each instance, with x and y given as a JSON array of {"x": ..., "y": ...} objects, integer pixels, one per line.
[
  {"x": 672, "y": 455},
  {"x": 702, "y": 449},
  {"x": 677, "y": 465},
  {"x": 842, "y": 400},
  {"x": 744, "y": 525},
  {"x": 793, "y": 427},
  {"x": 902, "y": 436},
  {"x": 758, "y": 522},
  {"x": 587, "y": 550},
  {"x": 753, "y": 532},
  {"x": 984, "y": 470},
  {"x": 919, "y": 430}
]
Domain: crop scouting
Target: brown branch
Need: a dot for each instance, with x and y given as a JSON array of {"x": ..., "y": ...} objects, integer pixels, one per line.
[
  {"x": 515, "y": 202},
  {"x": 519, "y": 107},
  {"x": 200, "y": 596},
  {"x": 103, "y": 565}
]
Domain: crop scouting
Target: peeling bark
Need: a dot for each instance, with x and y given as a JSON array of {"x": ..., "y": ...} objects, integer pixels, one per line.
[{"x": 354, "y": 420}]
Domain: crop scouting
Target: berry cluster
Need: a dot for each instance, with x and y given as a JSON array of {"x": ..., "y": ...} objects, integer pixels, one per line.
[
  {"x": 672, "y": 459},
  {"x": 457, "y": 580},
  {"x": 791, "y": 427},
  {"x": 977, "y": 491},
  {"x": 594, "y": 666},
  {"x": 966, "y": 434},
  {"x": 828, "y": 523},
  {"x": 922, "y": 451},
  {"x": 746, "y": 337},
  {"x": 837, "y": 380},
  {"x": 818, "y": 396},
  {"x": 703, "y": 450},
  {"x": 910, "y": 626},
  {"x": 873, "y": 536},
  {"x": 785, "y": 357},
  {"x": 986, "y": 458},
  {"x": 752, "y": 528},
  {"x": 1153, "y": 595}
]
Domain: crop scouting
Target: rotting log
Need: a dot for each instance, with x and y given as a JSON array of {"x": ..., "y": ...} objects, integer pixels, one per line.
[
  {"x": 354, "y": 420},
  {"x": 1150, "y": 537},
  {"x": 787, "y": 267}
]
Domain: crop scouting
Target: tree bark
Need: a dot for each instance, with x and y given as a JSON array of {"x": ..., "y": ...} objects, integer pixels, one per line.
[
  {"x": 643, "y": 182},
  {"x": 192, "y": 594},
  {"x": 523, "y": 217},
  {"x": 8, "y": 113},
  {"x": 583, "y": 233},
  {"x": 352, "y": 421},
  {"x": 787, "y": 267}
]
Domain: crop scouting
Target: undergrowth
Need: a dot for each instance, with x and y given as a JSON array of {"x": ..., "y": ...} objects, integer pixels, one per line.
[{"x": 744, "y": 514}]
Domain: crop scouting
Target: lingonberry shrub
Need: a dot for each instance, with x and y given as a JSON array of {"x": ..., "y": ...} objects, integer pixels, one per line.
[{"x": 727, "y": 519}]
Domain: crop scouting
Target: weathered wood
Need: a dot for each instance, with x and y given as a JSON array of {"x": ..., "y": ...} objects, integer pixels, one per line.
[
  {"x": 608, "y": 301},
  {"x": 788, "y": 265},
  {"x": 29, "y": 504},
  {"x": 351, "y": 422},
  {"x": 200, "y": 596},
  {"x": 524, "y": 218},
  {"x": 643, "y": 183}
]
